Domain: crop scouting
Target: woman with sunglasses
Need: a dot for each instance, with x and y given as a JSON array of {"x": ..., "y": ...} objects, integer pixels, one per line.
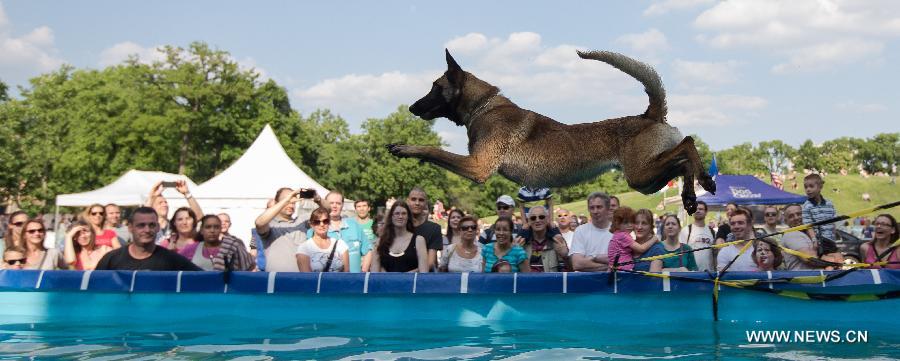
[
  {"x": 95, "y": 215},
  {"x": 879, "y": 249},
  {"x": 14, "y": 258},
  {"x": 504, "y": 250},
  {"x": 13, "y": 236},
  {"x": 464, "y": 255},
  {"x": 39, "y": 257},
  {"x": 82, "y": 252},
  {"x": 398, "y": 248},
  {"x": 322, "y": 253}
]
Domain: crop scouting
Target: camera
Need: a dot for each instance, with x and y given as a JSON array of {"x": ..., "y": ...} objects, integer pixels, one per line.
[
  {"x": 307, "y": 193},
  {"x": 168, "y": 184}
]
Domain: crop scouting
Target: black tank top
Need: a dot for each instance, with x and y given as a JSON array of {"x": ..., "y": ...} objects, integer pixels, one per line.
[{"x": 407, "y": 262}]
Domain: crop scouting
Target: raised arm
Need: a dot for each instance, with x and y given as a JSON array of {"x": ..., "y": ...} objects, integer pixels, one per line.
[
  {"x": 643, "y": 247},
  {"x": 262, "y": 222},
  {"x": 69, "y": 251},
  {"x": 182, "y": 187}
]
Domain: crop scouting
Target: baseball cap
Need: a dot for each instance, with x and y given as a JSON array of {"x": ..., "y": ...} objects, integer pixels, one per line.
[{"x": 507, "y": 200}]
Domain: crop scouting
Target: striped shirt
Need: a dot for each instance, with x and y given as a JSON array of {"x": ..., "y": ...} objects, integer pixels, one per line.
[
  {"x": 233, "y": 248},
  {"x": 816, "y": 212}
]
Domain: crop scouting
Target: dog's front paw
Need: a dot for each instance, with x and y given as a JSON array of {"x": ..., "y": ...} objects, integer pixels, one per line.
[
  {"x": 690, "y": 203},
  {"x": 398, "y": 150}
]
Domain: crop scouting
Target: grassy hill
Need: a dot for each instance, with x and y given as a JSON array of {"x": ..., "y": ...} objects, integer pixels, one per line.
[{"x": 847, "y": 198}]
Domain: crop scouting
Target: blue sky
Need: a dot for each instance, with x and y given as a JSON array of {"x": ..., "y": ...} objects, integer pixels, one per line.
[{"x": 735, "y": 71}]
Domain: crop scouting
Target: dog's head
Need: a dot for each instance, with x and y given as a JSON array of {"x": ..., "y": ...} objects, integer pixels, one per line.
[{"x": 444, "y": 96}]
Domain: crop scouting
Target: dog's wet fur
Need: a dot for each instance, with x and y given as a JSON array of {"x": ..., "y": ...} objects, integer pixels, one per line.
[{"x": 537, "y": 151}]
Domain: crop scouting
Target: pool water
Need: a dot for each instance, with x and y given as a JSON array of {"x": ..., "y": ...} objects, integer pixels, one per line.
[{"x": 249, "y": 339}]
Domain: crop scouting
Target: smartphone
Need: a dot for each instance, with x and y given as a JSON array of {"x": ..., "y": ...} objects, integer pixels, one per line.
[
  {"x": 307, "y": 193},
  {"x": 168, "y": 184}
]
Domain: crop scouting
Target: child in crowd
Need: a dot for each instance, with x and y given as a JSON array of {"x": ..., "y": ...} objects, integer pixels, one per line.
[
  {"x": 14, "y": 258},
  {"x": 623, "y": 248}
]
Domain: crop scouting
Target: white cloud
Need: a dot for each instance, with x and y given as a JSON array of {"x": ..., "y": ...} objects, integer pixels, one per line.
[
  {"x": 699, "y": 74},
  {"x": 467, "y": 44},
  {"x": 812, "y": 34},
  {"x": 120, "y": 52},
  {"x": 353, "y": 93},
  {"x": 826, "y": 55},
  {"x": 651, "y": 41},
  {"x": 855, "y": 107},
  {"x": 26, "y": 55},
  {"x": 712, "y": 110},
  {"x": 664, "y": 7}
]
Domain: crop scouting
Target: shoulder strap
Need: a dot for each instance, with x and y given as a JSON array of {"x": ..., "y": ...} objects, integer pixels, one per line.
[{"x": 330, "y": 257}]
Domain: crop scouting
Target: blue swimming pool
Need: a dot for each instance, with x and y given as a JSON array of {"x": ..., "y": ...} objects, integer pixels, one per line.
[{"x": 259, "y": 316}]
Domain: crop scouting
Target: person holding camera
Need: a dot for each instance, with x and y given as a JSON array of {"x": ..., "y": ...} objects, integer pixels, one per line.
[
  {"x": 281, "y": 233},
  {"x": 158, "y": 202}
]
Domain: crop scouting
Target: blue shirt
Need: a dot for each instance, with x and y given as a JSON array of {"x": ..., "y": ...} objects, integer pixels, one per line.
[
  {"x": 357, "y": 243},
  {"x": 656, "y": 249}
]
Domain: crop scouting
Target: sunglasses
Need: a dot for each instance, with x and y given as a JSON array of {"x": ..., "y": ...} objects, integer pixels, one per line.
[
  {"x": 96, "y": 213},
  {"x": 503, "y": 207},
  {"x": 468, "y": 228},
  {"x": 13, "y": 262},
  {"x": 316, "y": 222},
  {"x": 562, "y": 215},
  {"x": 18, "y": 224},
  {"x": 534, "y": 218},
  {"x": 771, "y": 214},
  {"x": 33, "y": 231}
]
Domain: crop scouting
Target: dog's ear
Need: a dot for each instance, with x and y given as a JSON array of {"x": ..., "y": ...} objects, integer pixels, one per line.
[{"x": 454, "y": 71}]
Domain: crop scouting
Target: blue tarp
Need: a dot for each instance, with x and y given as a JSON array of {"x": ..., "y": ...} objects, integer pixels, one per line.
[{"x": 748, "y": 190}]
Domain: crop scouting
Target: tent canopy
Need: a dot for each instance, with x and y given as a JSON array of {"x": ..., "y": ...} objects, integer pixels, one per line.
[
  {"x": 131, "y": 189},
  {"x": 747, "y": 190},
  {"x": 258, "y": 173}
]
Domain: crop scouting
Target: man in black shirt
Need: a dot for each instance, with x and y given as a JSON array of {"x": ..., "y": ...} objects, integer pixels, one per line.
[
  {"x": 143, "y": 253},
  {"x": 418, "y": 203}
]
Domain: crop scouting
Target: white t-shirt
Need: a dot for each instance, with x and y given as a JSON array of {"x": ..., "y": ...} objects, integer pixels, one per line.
[
  {"x": 699, "y": 237},
  {"x": 743, "y": 263},
  {"x": 796, "y": 241},
  {"x": 318, "y": 257},
  {"x": 456, "y": 263},
  {"x": 568, "y": 235},
  {"x": 590, "y": 241}
]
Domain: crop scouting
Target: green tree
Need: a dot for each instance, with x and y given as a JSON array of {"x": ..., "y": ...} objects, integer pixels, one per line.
[
  {"x": 880, "y": 153},
  {"x": 4, "y": 96},
  {"x": 808, "y": 156},
  {"x": 741, "y": 159},
  {"x": 778, "y": 155},
  {"x": 838, "y": 154}
]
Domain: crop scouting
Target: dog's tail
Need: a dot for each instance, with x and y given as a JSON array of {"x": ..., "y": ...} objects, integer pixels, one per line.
[{"x": 643, "y": 73}]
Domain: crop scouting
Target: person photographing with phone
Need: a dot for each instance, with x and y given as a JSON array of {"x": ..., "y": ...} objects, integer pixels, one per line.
[
  {"x": 281, "y": 233},
  {"x": 158, "y": 202}
]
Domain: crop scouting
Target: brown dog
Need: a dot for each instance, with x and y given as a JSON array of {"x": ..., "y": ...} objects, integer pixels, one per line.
[{"x": 536, "y": 151}]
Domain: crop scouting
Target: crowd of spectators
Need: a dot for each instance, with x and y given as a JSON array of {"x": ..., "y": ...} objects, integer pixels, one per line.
[{"x": 405, "y": 238}]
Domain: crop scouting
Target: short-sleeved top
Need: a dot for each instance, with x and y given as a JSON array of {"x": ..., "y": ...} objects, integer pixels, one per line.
[
  {"x": 590, "y": 241},
  {"x": 161, "y": 259},
  {"x": 318, "y": 257},
  {"x": 280, "y": 244},
  {"x": 456, "y": 263},
  {"x": 105, "y": 238},
  {"x": 656, "y": 249},
  {"x": 815, "y": 212},
  {"x": 367, "y": 229},
  {"x": 699, "y": 237},
  {"x": 796, "y": 241},
  {"x": 52, "y": 260},
  {"x": 432, "y": 233},
  {"x": 620, "y": 250},
  {"x": 685, "y": 260},
  {"x": 743, "y": 263},
  {"x": 187, "y": 251},
  {"x": 354, "y": 238},
  {"x": 515, "y": 256}
]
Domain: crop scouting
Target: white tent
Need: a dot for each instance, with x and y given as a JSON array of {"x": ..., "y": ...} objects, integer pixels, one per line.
[
  {"x": 243, "y": 189},
  {"x": 131, "y": 189}
]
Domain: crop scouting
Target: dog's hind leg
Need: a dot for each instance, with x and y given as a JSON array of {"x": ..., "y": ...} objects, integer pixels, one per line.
[
  {"x": 477, "y": 167},
  {"x": 682, "y": 160}
]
